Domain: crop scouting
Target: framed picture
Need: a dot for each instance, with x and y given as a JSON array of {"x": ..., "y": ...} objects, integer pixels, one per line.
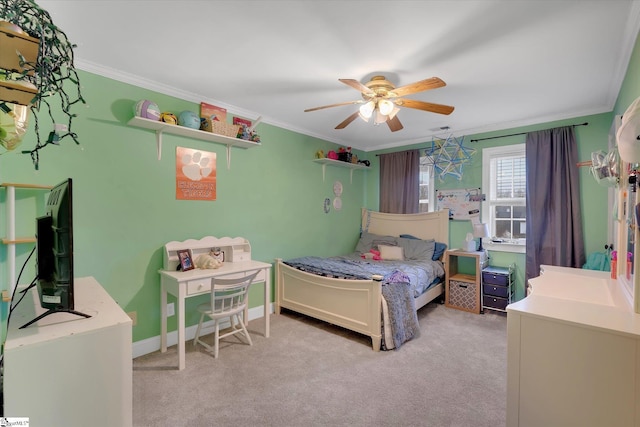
[{"x": 186, "y": 263}]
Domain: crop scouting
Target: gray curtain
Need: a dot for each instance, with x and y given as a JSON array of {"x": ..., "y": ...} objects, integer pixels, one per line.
[
  {"x": 554, "y": 219},
  {"x": 399, "y": 182}
]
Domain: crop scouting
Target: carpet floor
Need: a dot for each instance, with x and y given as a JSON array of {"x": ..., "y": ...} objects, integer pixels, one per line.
[{"x": 310, "y": 373}]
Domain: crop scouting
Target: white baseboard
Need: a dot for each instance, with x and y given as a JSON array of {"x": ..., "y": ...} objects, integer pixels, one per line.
[{"x": 149, "y": 345}]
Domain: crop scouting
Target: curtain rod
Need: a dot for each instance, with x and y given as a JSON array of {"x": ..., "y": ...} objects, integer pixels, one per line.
[
  {"x": 396, "y": 152},
  {"x": 514, "y": 134}
]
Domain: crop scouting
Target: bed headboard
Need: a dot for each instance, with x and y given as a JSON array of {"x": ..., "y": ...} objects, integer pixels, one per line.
[{"x": 428, "y": 225}]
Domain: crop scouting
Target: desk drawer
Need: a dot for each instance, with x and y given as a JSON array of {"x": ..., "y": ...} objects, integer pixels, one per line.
[
  {"x": 259, "y": 278},
  {"x": 198, "y": 286}
]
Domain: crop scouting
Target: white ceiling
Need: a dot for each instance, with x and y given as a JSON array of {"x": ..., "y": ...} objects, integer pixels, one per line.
[{"x": 506, "y": 63}]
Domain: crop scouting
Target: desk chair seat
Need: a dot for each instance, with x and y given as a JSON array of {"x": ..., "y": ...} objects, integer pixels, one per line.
[{"x": 229, "y": 297}]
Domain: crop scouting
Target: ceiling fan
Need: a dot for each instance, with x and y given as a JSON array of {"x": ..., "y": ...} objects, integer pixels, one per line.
[{"x": 382, "y": 98}]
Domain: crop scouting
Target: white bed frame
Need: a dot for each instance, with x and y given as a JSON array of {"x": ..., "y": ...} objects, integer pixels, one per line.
[{"x": 356, "y": 304}]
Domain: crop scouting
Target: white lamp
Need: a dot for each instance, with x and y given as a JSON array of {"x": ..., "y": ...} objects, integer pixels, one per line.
[
  {"x": 383, "y": 110},
  {"x": 480, "y": 230},
  {"x": 366, "y": 110},
  {"x": 385, "y": 107},
  {"x": 380, "y": 118}
]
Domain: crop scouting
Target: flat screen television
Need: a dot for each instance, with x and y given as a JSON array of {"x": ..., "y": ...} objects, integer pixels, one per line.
[{"x": 54, "y": 253}]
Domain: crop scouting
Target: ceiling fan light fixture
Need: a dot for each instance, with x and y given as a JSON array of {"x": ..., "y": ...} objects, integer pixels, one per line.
[
  {"x": 380, "y": 118},
  {"x": 385, "y": 107},
  {"x": 382, "y": 98},
  {"x": 393, "y": 112},
  {"x": 366, "y": 110}
]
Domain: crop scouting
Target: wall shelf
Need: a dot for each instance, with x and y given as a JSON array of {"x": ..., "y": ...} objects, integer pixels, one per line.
[
  {"x": 353, "y": 166},
  {"x": 11, "y": 240},
  {"x": 162, "y": 127}
]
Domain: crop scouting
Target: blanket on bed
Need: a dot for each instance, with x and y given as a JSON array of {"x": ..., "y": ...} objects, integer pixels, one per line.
[
  {"x": 401, "y": 310},
  {"x": 421, "y": 273}
]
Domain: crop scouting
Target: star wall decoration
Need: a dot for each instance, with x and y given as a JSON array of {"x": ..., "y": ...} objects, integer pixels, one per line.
[{"x": 449, "y": 156}]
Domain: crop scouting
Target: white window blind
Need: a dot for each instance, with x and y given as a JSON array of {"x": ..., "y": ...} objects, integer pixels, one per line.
[
  {"x": 505, "y": 183},
  {"x": 427, "y": 192}
]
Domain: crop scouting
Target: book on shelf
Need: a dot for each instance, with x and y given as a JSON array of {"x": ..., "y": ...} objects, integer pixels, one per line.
[
  {"x": 242, "y": 122},
  {"x": 213, "y": 112}
]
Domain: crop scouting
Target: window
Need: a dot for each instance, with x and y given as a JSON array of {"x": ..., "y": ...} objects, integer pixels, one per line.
[
  {"x": 504, "y": 182},
  {"x": 426, "y": 185}
]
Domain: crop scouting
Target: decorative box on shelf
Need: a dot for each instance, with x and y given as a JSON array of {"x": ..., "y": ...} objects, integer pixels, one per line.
[
  {"x": 17, "y": 92},
  {"x": 221, "y": 128},
  {"x": 12, "y": 40}
]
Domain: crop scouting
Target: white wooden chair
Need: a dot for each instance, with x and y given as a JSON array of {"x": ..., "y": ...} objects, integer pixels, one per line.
[{"x": 229, "y": 297}]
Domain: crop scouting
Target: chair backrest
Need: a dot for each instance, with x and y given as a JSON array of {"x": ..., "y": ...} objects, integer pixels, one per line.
[{"x": 229, "y": 296}]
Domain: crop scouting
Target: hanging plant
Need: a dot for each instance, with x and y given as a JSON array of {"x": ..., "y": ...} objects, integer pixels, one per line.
[{"x": 52, "y": 73}]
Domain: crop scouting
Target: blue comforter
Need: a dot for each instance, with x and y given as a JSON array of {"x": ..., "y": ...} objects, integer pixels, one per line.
[{"x": 421, "y": 274}]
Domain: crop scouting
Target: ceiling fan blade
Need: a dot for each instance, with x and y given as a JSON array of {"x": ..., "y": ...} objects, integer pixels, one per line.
[
  {"x": 422, "y": 85},
  {"x": 333, "y": 105},
  {"x": 425, "y": 106},
  {"x": 394, "y": 124},
  {"x": 358, "y": 86},
  {"x": 348, "y": 120}
]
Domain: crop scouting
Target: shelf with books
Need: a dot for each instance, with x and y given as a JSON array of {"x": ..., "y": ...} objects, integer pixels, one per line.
[{"x": 162, "y": 127}]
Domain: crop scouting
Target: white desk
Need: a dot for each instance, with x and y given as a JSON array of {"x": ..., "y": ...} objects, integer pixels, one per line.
[{"x": 185, "y": 284}]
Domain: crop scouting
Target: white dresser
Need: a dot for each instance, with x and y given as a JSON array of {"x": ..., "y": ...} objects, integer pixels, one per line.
[
  {"x": 573, "y": 353},
  {"x": 66, "y": 370}
]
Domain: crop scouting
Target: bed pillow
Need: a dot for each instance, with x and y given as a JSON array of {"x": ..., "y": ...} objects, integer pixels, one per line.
[
  {"x": 389, "y": 253},
  {"x": 417, "y": 249},
  {"x": 370, "y": 241},
  {"x": 438, "y": 250}
]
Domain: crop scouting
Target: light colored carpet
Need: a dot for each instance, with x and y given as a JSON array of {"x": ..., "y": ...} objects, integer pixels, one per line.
[{"x": 309, "y": 373}]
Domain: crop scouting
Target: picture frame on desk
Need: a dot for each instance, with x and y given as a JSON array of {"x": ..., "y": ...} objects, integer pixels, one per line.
[{"x": 186, "y": 260}]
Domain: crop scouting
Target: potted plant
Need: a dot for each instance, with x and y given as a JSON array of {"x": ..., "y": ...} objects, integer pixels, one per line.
[{"x": 52, "y": 73}]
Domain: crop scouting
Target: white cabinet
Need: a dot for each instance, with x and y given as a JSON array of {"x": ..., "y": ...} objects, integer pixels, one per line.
[
  {"x": 573, "y": 353},
  {"x": 69, "y": 371}
]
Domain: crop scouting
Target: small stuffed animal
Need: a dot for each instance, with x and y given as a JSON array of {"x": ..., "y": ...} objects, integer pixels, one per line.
[
  {"x": 372, "y": 254},
  {"x": 207, "y": 261}
]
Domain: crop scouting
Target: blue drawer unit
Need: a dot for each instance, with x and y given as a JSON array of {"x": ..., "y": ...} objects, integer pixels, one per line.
[{"x": 497, "y": 287}]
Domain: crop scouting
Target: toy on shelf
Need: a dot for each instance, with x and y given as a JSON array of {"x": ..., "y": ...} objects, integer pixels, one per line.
[
  {"x": 189, "y": 119},
  {"x": 245, "y": 132},
  {"x": 147, "y": 109},
  {"x": 344, "y": 154},
  {"x": 169, "y": 118}
]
